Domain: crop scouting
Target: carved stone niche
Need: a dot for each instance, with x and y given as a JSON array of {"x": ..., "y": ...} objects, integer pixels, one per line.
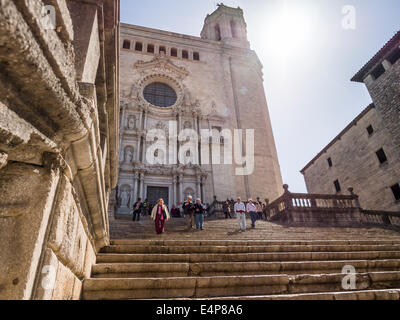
[
  {"x": 124, "y": 196},
  {"x": 131, "y": 122},
  {"x": 187, "y": 125},
  {"x": 128, "y": 154}
]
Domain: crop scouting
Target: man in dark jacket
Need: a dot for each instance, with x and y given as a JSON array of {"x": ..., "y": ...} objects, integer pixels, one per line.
[
  {"x": 199, "y": 214},
  {"x": 188, "y": 211},
  {"x": 137, "y": 209}
]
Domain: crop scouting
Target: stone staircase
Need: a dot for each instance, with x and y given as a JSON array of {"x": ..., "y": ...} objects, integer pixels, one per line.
[{"x": 196, "y": 265}]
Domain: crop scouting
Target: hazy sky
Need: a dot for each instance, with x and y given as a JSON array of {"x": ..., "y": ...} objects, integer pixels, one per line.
[{"x": 308, "y": 60}]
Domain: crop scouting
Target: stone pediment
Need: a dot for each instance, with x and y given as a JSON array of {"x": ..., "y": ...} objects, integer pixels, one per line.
[{"x": 163, "y": 64}]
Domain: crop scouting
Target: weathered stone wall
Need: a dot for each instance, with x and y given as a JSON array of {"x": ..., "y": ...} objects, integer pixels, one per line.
[
  {"x": 59, "y": 113},
  {"x": 385, "y": 92},
  {"x": 353, "y": 152},
  {"x": 356, "y": 165}
]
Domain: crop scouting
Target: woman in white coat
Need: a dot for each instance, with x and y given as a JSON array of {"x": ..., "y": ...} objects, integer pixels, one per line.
[{"x": 160, "y": 214}]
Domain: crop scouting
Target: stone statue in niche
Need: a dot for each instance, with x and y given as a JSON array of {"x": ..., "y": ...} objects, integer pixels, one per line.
[
  {"x": 124, "y": 199},
  {"x": 196, "y": 104},
  {"x": 132, "y": 122},
  {"x": 160, "y": 125},
  {"x": 128, "y": 155},
  {"x": 134, "y": 91},
  {"x": 187, "y": 125},
  {"x": 213, "y": 107},
  {"x": 187, "y": 98}
]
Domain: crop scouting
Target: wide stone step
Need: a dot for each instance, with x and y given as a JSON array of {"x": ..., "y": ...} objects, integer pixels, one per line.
[
  {"x": 246, "y": 257},
  {"x": 249, "y": 242},
  {"x": 203, "y": 287},
  {"x": 386, "y": 294},
  {"x": 247, "y": 249},
  {"x": 135, "y": 270}
]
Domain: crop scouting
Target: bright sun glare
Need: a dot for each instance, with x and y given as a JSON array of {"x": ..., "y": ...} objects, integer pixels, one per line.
[{"x": 288, "y": 31}]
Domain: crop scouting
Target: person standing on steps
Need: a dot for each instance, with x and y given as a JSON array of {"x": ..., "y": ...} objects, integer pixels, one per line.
[
  {"x": 259, "y": 210},
  {"x": 137, "y": 209},
  {"x": 199, "y": 214},
  {"x": 146, "y": 208},
  {"x": 252, "y": 210},
  {"x": 160, "y": 215},
  {"x": 227, "y": 209},
  {"x": 240, "y": 211},
  {"x": 188, "y": 211}
]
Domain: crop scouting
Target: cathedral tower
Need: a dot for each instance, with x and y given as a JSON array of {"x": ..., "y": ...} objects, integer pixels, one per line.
[{"x": 227, "y": 25}]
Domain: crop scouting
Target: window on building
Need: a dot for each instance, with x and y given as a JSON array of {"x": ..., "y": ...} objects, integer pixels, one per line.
[
  {"x": 330, "y": 162},
  {"x": 150, "y": 48},
  {"x": 162, "y": 50},
  {"x": 217, "y": 33},
  {"x": 394, "y": 56},
  {"x": 139, "y": 46},
  {"x": 188, "y": 153},
  {"x": 378, "y": 71},
  {"x": 233, "y": 29},
  {"x": 185, "y": 54},
  {"x": 370, "y": 129},
  {"x": 196, "y": 56},
  {"x": 337, "y": 186},
  {"x": 396, "y": 191},
  {"x": 160, "y": 94},
  {"x": 126, "y": 44},
  {"x": 174, "y": 52},
  {"x": 381, "y": 156}
]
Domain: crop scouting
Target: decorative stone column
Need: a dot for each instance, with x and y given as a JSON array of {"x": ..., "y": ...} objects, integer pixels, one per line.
[
  {"x": 145, "y": 120},
  {"x": 144, "y": 151},
  {"x": 131, "y": 198},
  {"x": 180, "y": 188},
  {"x": 198, "y": 183},
  {"x": 138, "y": 147},
  {"x": 135, "y": 186},
  {"x": 144, "y": 137},
  {"x": 174, "y": 197},
  {"x": 177, "y": 138},
  {"x": 141, "y": 189}
]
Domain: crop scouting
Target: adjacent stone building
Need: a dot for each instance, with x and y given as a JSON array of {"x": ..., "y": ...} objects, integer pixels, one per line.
[
  {"x": 59, "y": 118},
  {"x": 210, "y": 82},
  {"x": 366, "y": 155}
]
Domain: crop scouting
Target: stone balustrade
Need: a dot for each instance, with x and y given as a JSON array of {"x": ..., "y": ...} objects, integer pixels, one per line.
[
  {"x": 381, "y": 218},
  {"x": 303, "y": 209}
]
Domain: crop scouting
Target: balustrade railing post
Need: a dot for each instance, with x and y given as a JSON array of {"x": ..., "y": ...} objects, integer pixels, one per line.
[
  {"x": 287, "y": 197},
  {"x": 356, "y": 201},
  {"x": 386, "y": 220},
  {"x": 313, "y": 202}
]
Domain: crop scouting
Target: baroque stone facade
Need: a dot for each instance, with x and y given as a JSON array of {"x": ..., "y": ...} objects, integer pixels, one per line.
[
  {"x": 59, "y": 117},
  {"x": 366, "y": 155},
  {"x": 218, "y": 85}
]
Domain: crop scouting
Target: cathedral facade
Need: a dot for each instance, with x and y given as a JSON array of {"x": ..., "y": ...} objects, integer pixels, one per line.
[{"x": 176, "y": 84}]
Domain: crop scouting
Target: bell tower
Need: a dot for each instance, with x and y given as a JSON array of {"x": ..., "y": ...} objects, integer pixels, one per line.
[{"x": 227, "y": 25}]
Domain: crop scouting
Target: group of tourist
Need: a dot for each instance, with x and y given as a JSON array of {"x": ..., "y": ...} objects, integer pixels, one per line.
[
  {"x": 194, "y": 213},
  {"x": 261, "y": 209},
  {"x": 254, "y": 209}
]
